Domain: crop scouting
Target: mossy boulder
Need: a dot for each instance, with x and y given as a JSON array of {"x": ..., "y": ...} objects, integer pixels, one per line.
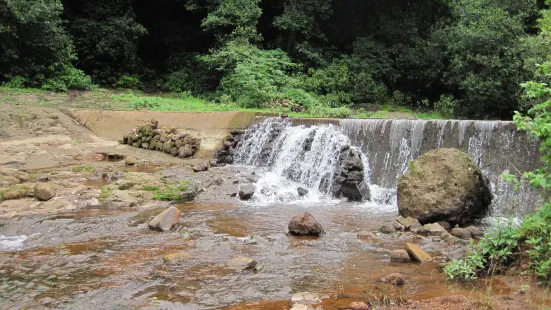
[{"x": 443, "y": 185}]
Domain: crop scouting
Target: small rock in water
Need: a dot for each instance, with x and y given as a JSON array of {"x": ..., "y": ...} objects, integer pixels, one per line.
[
  {"x": 408, "y": 222},
  {"x": 400, "y": 256},
  {"x": 200, "y": 168},
  {"x": 176, "y": 258},
  {"x": 461, "y": 233},
  {"x": 395, "y": 279},
  {"x": 416, "y": 253},
  {"x": 387, "y": 228},
  {"x": 356, "y": 191},
  {"x": 357, "y": 305},
  {"x": 130, "y": 161},
  {"x": 305, "y": 224},
  {"x": 44, "y": 192},
  {"x": 242, "y": 263},
  {"x": 366, "y": 235},
  {"x": 46, "y": 301},
  {"x": 476, "y": 232},
  {"x": 302, "y": 192},
  {"x": 166, "y": 220},
  {"x": 246, "y": 192},
  {"x": 305, "y": 298}
]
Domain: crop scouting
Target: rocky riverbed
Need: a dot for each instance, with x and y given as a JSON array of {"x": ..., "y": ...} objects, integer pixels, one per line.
[{"x": 82, "y": 239}]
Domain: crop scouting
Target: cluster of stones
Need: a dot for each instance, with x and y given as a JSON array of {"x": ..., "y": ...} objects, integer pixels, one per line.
[
  {"x": 41, "y": 191},
  {"x": 225, "y": 156},
  {"x": 164, "y": 139}
]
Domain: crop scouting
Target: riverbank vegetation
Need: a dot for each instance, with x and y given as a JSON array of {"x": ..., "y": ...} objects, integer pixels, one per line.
[
  {"x": 463, "y": 58},
  {"x": 528, "y": 242}
]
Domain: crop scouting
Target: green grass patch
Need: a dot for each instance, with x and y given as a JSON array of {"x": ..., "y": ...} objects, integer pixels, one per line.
[
  {"x": 105, "y": 193},
  {"x": 171, "y": 192},
  {"x": 84, "y": 168},
  {"x": 150, "y": 188}
]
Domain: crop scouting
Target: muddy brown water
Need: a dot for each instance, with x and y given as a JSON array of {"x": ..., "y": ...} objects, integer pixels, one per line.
[{"x": 111, "y": 260}]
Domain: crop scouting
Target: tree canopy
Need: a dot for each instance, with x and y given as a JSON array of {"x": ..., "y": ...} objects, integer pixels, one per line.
[{"x": 462, "y": 57}]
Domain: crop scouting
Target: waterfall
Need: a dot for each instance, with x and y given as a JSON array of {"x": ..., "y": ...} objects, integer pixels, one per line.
[
  {"x": 293, "y": 154},
  {"x": 495, "y": 146}
]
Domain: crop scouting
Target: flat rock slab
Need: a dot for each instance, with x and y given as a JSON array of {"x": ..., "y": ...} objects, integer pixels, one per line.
[
  {"x": 417, "y": 254},
  {"x": 166, "y": 220},
  {"x": 242, "y": 263}
]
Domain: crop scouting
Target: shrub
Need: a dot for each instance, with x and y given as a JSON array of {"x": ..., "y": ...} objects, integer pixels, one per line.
[
  {"x": 15, "y": 82},
  {"x": 131, "y": 81},
  {"x": 445, "y": 106},
  {"x": 67, "y": 78}
]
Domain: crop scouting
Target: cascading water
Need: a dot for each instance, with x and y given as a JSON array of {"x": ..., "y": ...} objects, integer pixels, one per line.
[
  {"x": 306, "y": 156},
  {"x": 291, "y": 157}
]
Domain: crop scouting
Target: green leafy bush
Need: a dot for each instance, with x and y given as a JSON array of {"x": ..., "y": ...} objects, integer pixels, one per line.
[
  {"x": 67, "y": 78},
  {"x": 15, "y": 82},
  {"x": 497, "y": 249},
  {"x": 131, "y": 81},
  {"x": 445, "y": 106}
]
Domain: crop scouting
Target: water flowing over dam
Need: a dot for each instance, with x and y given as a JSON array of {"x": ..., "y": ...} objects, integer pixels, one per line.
[{"x": 304, "y": 152}]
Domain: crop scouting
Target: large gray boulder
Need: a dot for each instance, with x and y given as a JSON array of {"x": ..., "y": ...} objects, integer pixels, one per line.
[{"x": 443, "y": 185}]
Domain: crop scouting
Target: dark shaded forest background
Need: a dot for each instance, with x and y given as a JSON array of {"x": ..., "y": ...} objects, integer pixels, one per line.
[{"x": 464, "y": 58}]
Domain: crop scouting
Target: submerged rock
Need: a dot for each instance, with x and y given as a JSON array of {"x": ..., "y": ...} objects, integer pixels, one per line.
[
  {"x": 200, "y": 168},
  {"x": 166, "y": 220},
  {"x": 394, "y": 279},
  {"x": 44, "y": 191},
  {"x": 176, "y": 258},
  {"x": 358, "y": 305},
  {"x": 305, "y": 224},
  {"x": 305, "y": 298},
  {"x": 443, "y": 185}
]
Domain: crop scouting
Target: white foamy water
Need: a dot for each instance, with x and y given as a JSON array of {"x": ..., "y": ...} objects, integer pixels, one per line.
[
  {"x": 289, "y": 157},
  {"x": 12, "y": 243}
]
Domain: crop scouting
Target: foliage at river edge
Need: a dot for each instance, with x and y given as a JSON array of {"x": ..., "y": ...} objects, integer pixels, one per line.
[
  {"x": 463, "y": 58},
  {"x": 511, "y": 243}
]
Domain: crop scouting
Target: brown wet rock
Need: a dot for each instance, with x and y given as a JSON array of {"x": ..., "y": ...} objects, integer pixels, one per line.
[
  {"x": 395, "y": 279},
  {"x": 398, "y": 226},
  {"x": 166, "y": 220},
  {"x": 242, "y": 263},
  {"x": 304, "y": 224},
  {"x": 399, "y": 256},
  {"x": 44, "y": 191},
  {"x": 461, "y": 233},
  {"x": 13, "y": 194},
  {"x": 445, "y": 224},
  {"x": 417, "y": 254}
]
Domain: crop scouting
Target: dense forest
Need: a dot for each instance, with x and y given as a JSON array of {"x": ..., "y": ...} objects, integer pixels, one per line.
[{"x": 465, "y": 58}]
